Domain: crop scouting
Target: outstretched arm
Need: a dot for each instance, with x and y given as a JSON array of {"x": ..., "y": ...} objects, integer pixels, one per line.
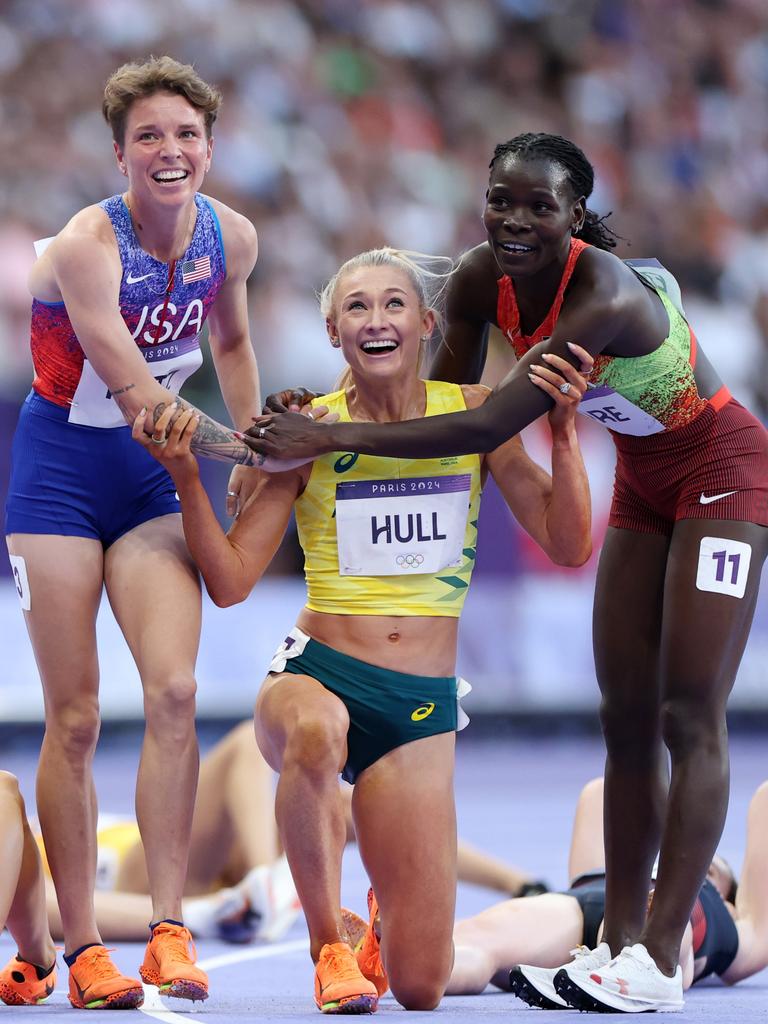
[{"x": 591, "y": 318}]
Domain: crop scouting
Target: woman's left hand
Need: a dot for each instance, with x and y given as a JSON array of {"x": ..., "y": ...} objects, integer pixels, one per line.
[
  {"x": 563, "y": 382},
  {"x": 170, "y": 441}
]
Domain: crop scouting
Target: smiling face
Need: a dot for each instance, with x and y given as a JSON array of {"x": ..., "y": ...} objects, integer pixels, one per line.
[
  {"x": 378, "y": 320},
  {"x": 166, "y": 152},
  {"x": 530, "y": 213}
]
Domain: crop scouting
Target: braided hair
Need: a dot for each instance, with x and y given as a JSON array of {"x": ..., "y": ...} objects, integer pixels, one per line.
[{"x": 581, "y": 177}]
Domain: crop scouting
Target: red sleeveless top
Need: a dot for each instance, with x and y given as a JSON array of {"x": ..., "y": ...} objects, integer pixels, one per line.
[{"x": 508, "y": 315}]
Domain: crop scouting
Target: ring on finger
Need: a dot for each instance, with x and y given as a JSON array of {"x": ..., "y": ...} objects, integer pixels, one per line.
[
  {"x": 311, "y": 414},
  {"x": 158, "y": 440},
  {"x": 262, "y": 431},
  {"x": 231, "y": 494},
  {"x": 565, "y": 387}
]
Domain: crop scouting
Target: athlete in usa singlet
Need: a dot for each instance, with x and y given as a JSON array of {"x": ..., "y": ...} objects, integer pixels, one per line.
[
  {"x": 163, "y": 305},
  {"x": 75, "y": 469}
]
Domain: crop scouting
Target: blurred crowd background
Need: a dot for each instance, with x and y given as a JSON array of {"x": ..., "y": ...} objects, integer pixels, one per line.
[{"x": 348, "y": 124}]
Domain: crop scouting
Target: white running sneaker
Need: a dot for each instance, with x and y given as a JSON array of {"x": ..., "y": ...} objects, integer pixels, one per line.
[
  {"x": 535, "y": 985},
  {"x": 272, "y": 897},
  {"x": 219, "y": 915},
  {"x": 630, "y": 983}
]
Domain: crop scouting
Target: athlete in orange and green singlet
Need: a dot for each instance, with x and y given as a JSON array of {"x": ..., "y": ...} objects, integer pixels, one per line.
[{"x": 680, "y": 568}]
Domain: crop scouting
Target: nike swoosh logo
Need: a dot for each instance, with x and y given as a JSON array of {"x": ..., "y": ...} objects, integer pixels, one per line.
[
  {"x": 704, "y": 500},
  {"x": 130, "y": 279}
]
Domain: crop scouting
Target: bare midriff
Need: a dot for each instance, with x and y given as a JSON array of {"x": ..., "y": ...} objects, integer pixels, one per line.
[{"x": 422, "y": 645}]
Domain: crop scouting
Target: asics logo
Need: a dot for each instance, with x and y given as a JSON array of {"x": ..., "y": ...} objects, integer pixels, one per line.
[
  {"x": 130, "y": 279},
  {"x": 707, "y": 500},
  {"x": 423, "y": 712},
  {"x": 345, "y": 462}
]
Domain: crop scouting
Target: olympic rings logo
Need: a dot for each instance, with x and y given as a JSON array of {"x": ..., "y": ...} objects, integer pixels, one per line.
[{"x": 410, "y": 561}]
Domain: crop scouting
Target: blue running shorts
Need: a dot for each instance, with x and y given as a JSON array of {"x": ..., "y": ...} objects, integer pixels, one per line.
[{"x": 79, "y": 481}]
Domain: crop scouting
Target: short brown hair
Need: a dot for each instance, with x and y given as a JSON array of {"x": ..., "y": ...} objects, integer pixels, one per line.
[{"x": 157, "y": 74}]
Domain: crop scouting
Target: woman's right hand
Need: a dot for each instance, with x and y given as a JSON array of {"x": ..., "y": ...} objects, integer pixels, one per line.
[
  {"x": 559, "y": 374},
  {"x": 169, "y": 443},
  {"x": 290, "y": 400}
]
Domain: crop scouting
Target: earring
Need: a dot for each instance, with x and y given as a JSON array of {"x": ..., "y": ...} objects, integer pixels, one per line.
[
  {"x": 425, "y": 337},
  {"x": 335, "y": 342}
]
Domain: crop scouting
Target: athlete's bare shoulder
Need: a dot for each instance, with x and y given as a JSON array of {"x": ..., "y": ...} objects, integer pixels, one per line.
[
  {"x": 88, "y": 237},
  {"x": 238, "y": 235},
  {"x": 604, "y": 275},
  {"x": 473, "y": 291},
  {"x": 607, "y": 290}
]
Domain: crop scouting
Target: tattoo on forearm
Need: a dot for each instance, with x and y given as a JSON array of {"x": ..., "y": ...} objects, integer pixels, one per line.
[
  {"x": 121, "y": 391},
  {"x": 160, "y": 408},
  {"x": 214, "y": 441},
  {"x": 211, "y": 439}
]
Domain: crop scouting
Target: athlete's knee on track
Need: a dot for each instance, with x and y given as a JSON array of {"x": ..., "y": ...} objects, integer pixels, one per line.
[
  {"x": 418, "y": 975},
  {"x": 690, "y": 724},
  {"x": 413, "y": 993}
]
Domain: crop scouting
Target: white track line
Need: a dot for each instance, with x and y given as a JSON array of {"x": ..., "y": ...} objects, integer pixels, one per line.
[{"x": 155, "y": 1007}]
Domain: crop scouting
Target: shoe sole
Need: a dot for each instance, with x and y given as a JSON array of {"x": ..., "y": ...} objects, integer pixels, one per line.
[
  {"x": 352, "y": 1004},
  {"x": 182, "y": 989},
  {"x": 578, "y": 999},
  {"x": 355, "y": 927},
  {"x": 179, "y": 988},
  {"x": 130, "y": 999},
  {"x": 528, "y": 992},
  {"x": 11, "y": 998}
]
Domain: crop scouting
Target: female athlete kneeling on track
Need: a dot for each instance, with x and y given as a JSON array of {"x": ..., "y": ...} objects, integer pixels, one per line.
[{"x": 365, "y": 683}]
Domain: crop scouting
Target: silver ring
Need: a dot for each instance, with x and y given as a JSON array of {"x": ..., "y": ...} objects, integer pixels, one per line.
[
  {"x": 261, "y": 433},
  {"x": 565, "y": 387},
  {"x": 155, "y": 440},
  {"x": 310, "y": 414},
  {"x": 231, "y": 494}
]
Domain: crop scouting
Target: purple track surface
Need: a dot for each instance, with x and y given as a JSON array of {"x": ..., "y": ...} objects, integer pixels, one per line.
[{"x": 515, "y": 798}]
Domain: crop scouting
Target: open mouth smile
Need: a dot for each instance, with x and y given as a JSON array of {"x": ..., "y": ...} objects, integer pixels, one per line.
[
  {"x": 379, "y": 347},
  {"x": 170, "y": 177}
]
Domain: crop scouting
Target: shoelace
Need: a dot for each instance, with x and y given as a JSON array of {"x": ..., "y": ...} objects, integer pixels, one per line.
[
  {"x": 179, "y": 941},
  {"x": 628, "y": 954},
  {"x": 581, "y": 952},
  {"x": 99, "y": 962},
  {"x": 342, "y": 963}
]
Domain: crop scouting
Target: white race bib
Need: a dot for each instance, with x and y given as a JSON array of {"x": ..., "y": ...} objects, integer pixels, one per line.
[
  {"x": 170, "y": 363},
  {"x": 723, "y": 566},
  {"x": 401, "y": 527},
  {"x": 608, "y": 407}
]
